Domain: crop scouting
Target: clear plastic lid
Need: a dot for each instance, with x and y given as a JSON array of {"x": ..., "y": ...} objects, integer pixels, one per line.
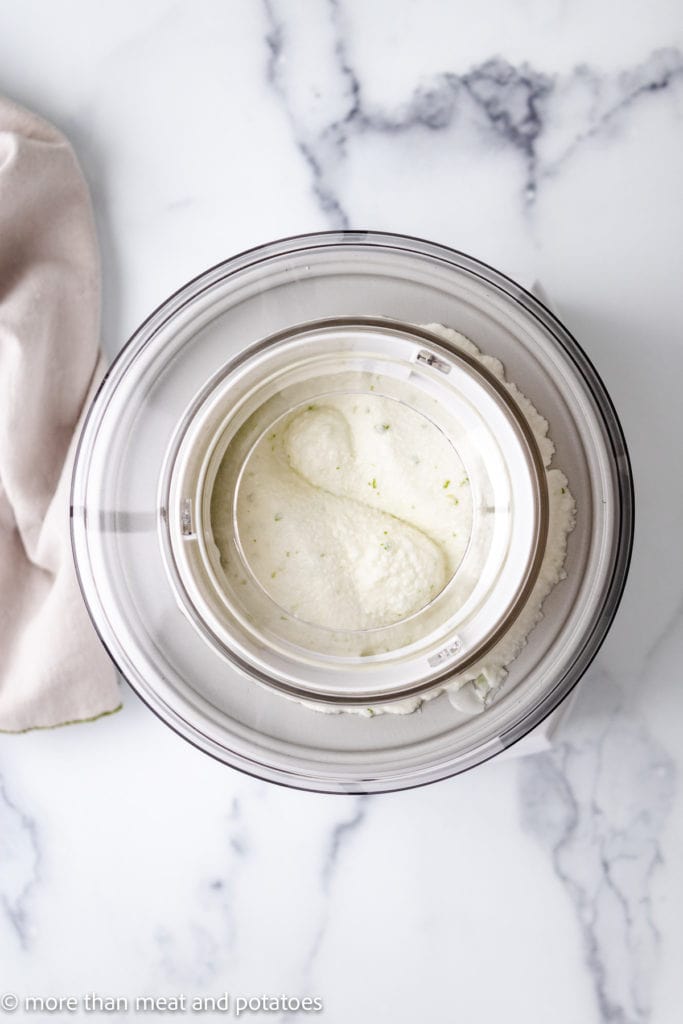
[
  {"x": 324, "y": 421},
  {"x": 235, "y": 379}
]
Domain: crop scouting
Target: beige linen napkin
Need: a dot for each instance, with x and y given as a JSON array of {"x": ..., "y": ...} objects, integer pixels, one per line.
[{"x": 53, "y": 668}]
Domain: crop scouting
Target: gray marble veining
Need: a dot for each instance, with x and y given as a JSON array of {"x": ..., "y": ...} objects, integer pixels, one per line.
[
  {"x": 208, "y": 942},
  {"x": 598, "y": 803},
  {"x": 19, "y": 866},
  {"x": 132, "y": 864},
  {"x": 541, "y": 117},
  {"x": 341, "y": 835}
]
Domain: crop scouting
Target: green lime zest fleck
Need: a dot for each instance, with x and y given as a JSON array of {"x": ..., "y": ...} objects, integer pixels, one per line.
[
  {"x": 277, "y": 517},
  {"x": 273, "y": 575},
  {"x": 311, "y": 408},
  {"x": 373, "y": 483},
  {"x": 465, "y": 480},
  {"x": 563, "y": 490},
  {"x": 371, "y": 712},
  {"x": 446, "y": 484}
]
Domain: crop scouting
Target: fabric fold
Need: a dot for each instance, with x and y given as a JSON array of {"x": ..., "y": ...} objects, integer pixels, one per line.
[{"x": 53, "y": 668}]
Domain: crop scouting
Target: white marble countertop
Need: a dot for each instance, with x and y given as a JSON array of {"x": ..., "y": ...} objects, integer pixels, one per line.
[{"x": 543, "y": 137}]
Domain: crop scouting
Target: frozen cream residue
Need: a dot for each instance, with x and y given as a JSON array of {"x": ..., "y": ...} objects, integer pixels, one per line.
[
  {"x": 354, "y": 512},
  {"x": 475, "y": 689},
  {"x": 484, "y": 679}
]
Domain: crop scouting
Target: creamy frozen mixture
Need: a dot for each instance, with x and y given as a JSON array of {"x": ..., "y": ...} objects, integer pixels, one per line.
[
  {"x": 476, "y": 688},
  {"x": 354, "y": 513}
]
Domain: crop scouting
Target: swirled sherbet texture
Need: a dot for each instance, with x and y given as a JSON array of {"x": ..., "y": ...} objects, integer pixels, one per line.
[{"x": 353, "y": 513}]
